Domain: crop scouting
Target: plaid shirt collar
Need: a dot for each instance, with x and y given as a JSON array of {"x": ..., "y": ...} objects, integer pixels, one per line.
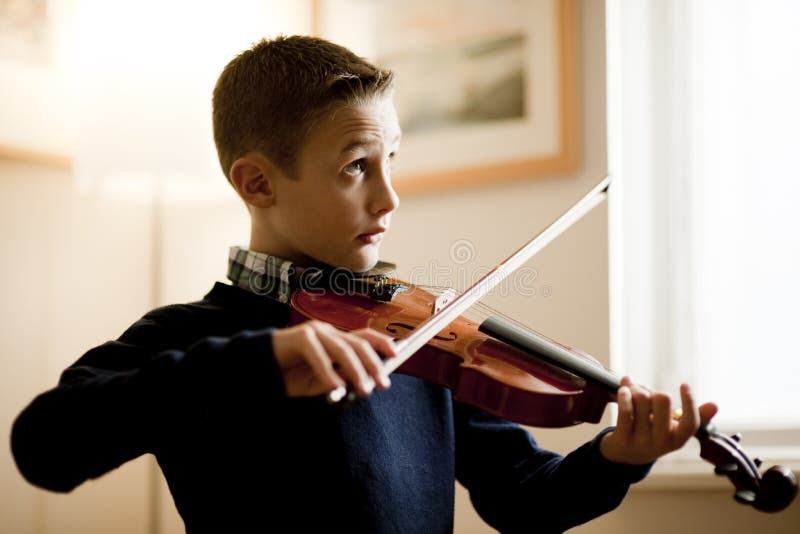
[
  {"x": 261, "y": 273},
  {"x": 273, "y": 277}
]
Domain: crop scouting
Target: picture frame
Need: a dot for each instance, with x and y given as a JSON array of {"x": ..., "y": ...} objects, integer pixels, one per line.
[{"x": 485, "y": 92}]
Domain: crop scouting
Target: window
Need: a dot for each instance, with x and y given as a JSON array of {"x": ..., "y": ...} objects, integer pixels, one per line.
[{"x": 703, "y": 152}]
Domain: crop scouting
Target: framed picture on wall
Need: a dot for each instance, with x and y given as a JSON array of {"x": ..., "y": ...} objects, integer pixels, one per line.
[{"x": 486, "y": 91}]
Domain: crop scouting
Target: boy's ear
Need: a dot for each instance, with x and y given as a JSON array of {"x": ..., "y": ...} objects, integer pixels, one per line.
[{"x": 252, "y": 176}]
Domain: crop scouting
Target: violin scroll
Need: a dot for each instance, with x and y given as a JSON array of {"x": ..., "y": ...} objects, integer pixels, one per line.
[
  {"x": 778, "y": 489},
  {"x": 771, "y": 492}
]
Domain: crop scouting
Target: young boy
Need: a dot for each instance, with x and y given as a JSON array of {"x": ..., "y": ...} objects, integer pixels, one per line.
[{"x": 230, "y": 399}]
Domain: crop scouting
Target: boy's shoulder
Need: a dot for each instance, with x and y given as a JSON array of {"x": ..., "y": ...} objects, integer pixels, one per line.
[{"x": 223, "y": 311}]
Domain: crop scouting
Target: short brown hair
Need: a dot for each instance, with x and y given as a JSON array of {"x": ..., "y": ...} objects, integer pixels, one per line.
[{"x": 269, "y": 97}]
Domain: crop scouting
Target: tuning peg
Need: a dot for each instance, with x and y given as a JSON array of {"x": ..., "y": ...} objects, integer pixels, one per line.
[
  {"x": 758, "y": 461},
  {"x": 745, "y": 496},
  {"x": 737, "y": 437},
  {"x": 726, "y": 469}
]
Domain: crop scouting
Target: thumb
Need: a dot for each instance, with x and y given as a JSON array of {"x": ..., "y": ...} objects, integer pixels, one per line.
[{"x": 707, "y": 412}]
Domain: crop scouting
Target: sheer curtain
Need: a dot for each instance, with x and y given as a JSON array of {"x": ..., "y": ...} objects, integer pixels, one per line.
[{"x": 703, "y": 149}]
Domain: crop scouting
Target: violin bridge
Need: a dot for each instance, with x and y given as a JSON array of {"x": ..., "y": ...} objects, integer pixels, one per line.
[{"x": 443, "y": 300}]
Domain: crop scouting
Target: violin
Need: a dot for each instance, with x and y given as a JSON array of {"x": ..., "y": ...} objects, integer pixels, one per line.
[{"x": 511, "y": 371}]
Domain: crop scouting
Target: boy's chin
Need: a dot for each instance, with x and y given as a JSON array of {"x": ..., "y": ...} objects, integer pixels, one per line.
[
  {"x": 362, "y": 263},
  {"x": 355, "y": 260},
  {"x": 361, "y": 267}
]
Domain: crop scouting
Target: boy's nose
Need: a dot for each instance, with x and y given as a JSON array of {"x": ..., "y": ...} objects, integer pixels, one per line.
[{"x": 385, "y": 199}]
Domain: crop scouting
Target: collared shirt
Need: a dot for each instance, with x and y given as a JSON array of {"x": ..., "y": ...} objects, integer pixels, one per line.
[
  {"x": 261, "y": 273},
  {"x": 276, "y": 278}
]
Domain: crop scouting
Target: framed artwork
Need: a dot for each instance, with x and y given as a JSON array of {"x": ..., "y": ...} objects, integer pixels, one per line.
[{"x": 486, "y": 91}]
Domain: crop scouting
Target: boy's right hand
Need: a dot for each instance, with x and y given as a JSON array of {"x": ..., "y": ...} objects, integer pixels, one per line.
[{"x": 315, "y": 358}]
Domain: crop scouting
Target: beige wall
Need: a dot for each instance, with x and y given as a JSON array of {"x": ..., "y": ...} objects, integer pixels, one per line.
[
  {"x": 74, "y": 273},
  {"x": 57, "y": 304}
]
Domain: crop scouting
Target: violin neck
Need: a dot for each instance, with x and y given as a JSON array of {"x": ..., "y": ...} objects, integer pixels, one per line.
[{"x": 546, "y": 349}]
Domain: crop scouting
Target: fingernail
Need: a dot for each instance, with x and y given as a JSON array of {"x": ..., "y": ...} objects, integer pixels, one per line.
[
  {"x": 385, "y": 382},
  {"x": 369, "y": 384},
  {"x": 336, "y": 395}
]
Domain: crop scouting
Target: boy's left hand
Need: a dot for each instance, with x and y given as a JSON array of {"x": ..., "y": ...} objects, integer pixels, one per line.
[{"x": 646, "y": 429}]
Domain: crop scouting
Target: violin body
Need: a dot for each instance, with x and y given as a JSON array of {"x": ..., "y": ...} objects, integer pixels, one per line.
[{"x": 478, "y": 369}]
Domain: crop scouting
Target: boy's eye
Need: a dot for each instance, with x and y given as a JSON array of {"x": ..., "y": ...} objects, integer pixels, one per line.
[{"x": 354, "y": 168}]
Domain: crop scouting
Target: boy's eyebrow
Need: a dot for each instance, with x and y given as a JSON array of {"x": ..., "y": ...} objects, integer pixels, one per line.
[{"x": 363, "y": 141}]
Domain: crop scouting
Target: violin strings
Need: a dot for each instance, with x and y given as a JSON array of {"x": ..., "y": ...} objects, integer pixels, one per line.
[{"x": 480, "y": 311}]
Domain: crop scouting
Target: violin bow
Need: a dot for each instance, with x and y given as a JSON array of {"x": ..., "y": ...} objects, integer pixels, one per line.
[{"x": 425, "y": 331}]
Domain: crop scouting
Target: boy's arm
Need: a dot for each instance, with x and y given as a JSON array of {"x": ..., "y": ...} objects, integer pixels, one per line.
[
  {"x": 587, "y": 482},
  {"x": 119, "y": 399},
  {"x": 516, "y": 486}
]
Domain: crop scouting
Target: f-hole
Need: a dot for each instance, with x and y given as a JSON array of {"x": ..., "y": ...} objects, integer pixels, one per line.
[{"x": 393, "y": 328}]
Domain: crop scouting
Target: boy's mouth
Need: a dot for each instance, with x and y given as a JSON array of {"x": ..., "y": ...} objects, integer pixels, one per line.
[{"x": 371, "y": 237}]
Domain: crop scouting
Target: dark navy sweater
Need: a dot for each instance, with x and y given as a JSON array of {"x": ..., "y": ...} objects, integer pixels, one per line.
[{"x": 196, "y": 385}]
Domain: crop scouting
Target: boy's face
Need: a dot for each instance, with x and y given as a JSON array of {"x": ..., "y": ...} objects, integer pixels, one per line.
[{"x": 339, "y": 205}]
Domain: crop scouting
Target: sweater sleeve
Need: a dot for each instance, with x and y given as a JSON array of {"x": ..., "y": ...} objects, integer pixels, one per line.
[
  {"x": 516, "y": 486},
  {"x": 120, "y": 399}
]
